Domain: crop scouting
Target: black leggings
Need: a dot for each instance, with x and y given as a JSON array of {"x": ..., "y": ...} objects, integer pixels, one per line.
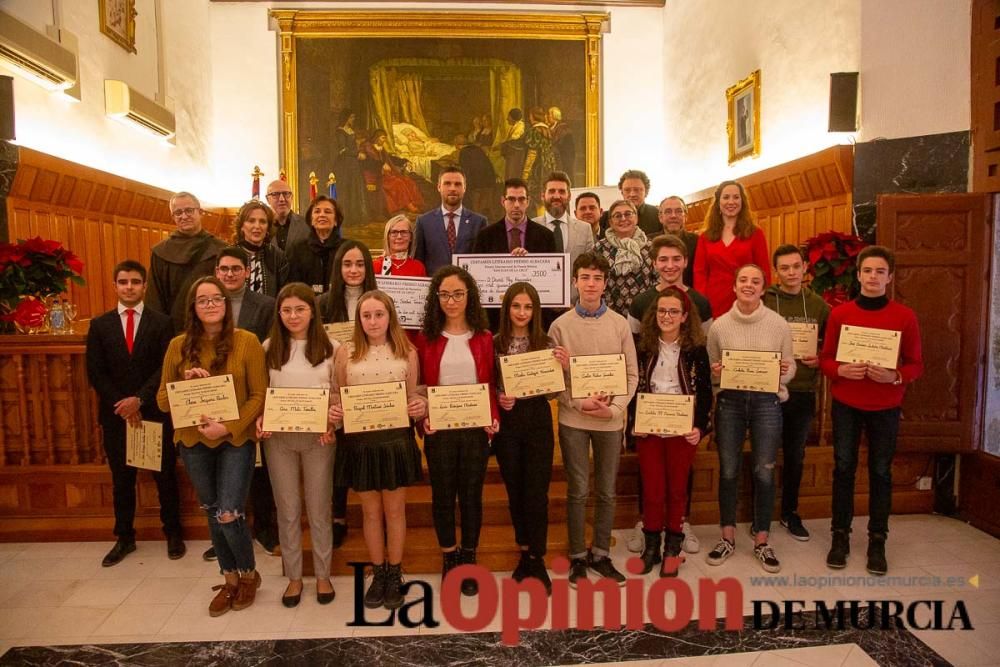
[{"x": 456, "y": 466}]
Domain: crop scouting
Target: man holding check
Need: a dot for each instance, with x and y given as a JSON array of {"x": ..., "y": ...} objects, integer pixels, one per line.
[{"x": 868, "y": 397}]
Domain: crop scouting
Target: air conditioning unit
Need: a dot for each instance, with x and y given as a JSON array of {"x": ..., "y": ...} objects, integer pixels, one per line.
[
  {"x": 35, "y": 56},
  {"x": 123, "y": 103}
]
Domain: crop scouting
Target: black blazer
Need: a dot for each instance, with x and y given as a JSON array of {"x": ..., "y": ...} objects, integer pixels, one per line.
[
  {"x": 256, "y": 314},
  {"x": 493, "y": 239},
  {"x": 695, "y": 375},
  {"x": 115, "y": 374}
]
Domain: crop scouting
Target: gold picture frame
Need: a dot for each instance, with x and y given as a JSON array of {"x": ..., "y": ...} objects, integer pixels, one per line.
[
  {"x": 118, "y": 22},
  {"x": 743, "y": 126}
]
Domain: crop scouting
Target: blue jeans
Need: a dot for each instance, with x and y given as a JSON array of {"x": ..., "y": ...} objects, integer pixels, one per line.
[
  {"x": 221, "y": 477},
  {"x": 880, "y": 427},
  {"x": 735, "y": 412}
]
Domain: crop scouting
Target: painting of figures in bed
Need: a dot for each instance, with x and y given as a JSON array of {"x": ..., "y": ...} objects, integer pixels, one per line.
[{"x": 386, "y": 115}]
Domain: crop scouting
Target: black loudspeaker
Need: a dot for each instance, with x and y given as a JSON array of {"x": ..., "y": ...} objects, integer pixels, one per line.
[
  {"x": 6, "y": 108},
  {"x": 843, "y": 102}
]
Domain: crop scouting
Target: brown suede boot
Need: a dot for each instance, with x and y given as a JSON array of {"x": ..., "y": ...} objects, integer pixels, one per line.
[
  {"x": 249, "y": 583},
  {"x": 223, "y": 600}
]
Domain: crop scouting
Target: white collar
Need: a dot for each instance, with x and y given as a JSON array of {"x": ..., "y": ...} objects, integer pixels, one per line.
[
  {"x": 138, "y": 308},
  {"x": 457, "y": 212}
]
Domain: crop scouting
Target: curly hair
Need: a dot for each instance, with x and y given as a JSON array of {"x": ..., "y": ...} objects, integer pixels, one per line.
[
  {"x": 475, "y": 315},
  {"x": 194, "y": 330},
  {"x": 690, "y": 336},
  {"x": 714, "y": 223}
]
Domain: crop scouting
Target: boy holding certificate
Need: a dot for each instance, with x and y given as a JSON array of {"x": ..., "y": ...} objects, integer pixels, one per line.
[
  {"x": 867, "y": 397},
  {"x": 591, "y": 328}
]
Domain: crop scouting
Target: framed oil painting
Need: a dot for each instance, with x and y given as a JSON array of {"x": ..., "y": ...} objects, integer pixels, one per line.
[
  {"x": 385, "y": 101},
  {"x": 118, "y": 22},
  {"x": 743, "y": 126}
]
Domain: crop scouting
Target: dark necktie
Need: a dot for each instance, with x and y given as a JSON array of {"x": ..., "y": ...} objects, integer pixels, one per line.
[
  {"x": 557, "y": 232},
  {"x": 129, "y": 328},
  {"x": 515, "y": 238},
  {"x": 452, "y": 233}
]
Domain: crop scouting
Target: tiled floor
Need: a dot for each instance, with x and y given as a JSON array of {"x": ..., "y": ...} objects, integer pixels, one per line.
[{"x": 58, "y": 593}]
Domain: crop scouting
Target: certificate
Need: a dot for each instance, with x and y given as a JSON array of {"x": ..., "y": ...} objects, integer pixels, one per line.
[
  {"x": 459, "y": 406},
  {"x": 410, "y": 297},
  {"x": 805, "y": 339},
  {"x": 296, "y": 410},
  {"x": 597, "y": 374},
  {"x": 547, "y": 272},
  {"x": 531, "y": 373},
  {"x": 664, "y": 414},
  {"x": 374, "y": 407},
  {"x": 749, "y": 370},
  {"x": 342, "y": 332},
  {"x": 864, "y": 345},
  {"x": 213, "y": 396},
  {"x": 144, "y": 446}
]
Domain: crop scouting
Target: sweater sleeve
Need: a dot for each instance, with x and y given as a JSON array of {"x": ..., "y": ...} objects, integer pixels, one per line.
[
  {"x": 620, "y": 403},
  {"x": 831, "y": 338},
  {"x": 566, "y": 396},
  {"x": 701, "y": 265},
  {"x": 169, "y": 373},
  {"x": 911, "y": 358},
  {"x": 256, "y": 379},
  {"x": 786, "y": 353}
]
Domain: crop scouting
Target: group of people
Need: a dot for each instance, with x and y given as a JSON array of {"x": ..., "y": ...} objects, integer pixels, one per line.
[{"x": 256, "y": 310}]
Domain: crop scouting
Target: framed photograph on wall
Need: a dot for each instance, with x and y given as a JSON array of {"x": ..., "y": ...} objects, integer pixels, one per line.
[
  {"x": 743, "y": 126},
  {"x": 118, "y": 22}
]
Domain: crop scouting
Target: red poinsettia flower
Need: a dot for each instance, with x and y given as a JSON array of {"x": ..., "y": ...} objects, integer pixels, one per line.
[
  {"x": 38, "y": 244},
  {"x": 74, "y": 263},
  {"x": 30, "y": 313}
]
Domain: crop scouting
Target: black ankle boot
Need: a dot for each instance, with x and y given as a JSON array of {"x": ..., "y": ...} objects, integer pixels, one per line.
[
  {"x": 672, "y": 550},
  {"x": 651, "y": 550},
  {"x": 877, "y": 564},
  {"x": 839, "y": 550},
  {"x": 470, "y": 586},
  {"x": 376, "y": 591},
  {"x": 449, "y": 561},
  {"x": 393, "y": 586}
]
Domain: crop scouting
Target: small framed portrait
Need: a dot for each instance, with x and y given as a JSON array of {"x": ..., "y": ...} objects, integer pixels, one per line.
[
  {"x": 118, "y": 22},
  {"x": 743, "y": 126}
]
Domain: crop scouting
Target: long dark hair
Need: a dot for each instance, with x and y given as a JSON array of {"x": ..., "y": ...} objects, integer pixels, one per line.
[
  {"x": 194, "y": 329},
  {"x": 690, "y": 335},
  {"x": 475, "y": 316},
  {"x": 335, "y": 307},
  {"x": 537, "y": 338},
  {"x": 714, "y": 223},
  {"x": 318, "y": 345}
]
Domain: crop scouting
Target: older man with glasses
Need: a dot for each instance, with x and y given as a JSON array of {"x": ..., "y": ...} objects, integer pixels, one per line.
[{"x": 289, "y": 226}]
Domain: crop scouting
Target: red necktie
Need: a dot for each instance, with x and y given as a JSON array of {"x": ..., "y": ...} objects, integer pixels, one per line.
[
  {"x": 130, "y": 329},
  {"x": 452, "y": 234}
]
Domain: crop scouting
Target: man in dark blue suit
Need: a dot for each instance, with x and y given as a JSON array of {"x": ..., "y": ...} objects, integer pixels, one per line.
[
  {"x": 125, "y": 349},
  {"x": 449, "y": 229}
]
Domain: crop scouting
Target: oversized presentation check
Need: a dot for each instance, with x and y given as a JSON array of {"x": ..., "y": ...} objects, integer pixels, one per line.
[
  {"x": 750, "y": 370},
  {"x": 342, "y": 332},
  {"x": 374, "y": 407},
  {"x": 531, "y": 374},
  {"x": 213, "y": 396},
  {"x": 410, "y": 297},
  {"x": 805, "y": 339},
  {"x": 547, "y": 272},
  {"x": 296, "y": 410},
  {"x": 864, "y": 345},
  {"x": 144, "y": 446},
  {"x": 459, "y": 406},
  {"x": 664, "y": 414},
  {"x": 597, "y": 375}
]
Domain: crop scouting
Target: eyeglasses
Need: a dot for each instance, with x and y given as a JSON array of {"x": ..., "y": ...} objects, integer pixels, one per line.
[
  {"x": 181, "y": 212},
  {"x": 279, "y": 195},
  {"x": 298, "y": 311},
  {"x": 230, "y": 269},
  {"x": 399, "y": 232},
  {"x": 624, "y": 215},
  {"x": 452, "y": 296},
  {"x": 669, "y": 312},
  {"x": 206, "y": 301},
  {"x": 516, "y": 200}
]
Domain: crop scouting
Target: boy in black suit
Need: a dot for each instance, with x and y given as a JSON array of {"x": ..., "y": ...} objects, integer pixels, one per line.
[{"x": 125, "y": 349}]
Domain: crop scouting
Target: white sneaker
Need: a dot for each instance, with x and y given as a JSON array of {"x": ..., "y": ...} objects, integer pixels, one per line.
[
  {"x": 690, "y": 544},
  {"x": 636, "y": 541}
]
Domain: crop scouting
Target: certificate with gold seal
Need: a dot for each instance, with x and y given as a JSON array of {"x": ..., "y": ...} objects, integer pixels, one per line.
[
  {"x": 342, "y": 332},
  {"x": 296, "y": 410},
  {"x": 374, "y": 407},
  {"x": 664, "y": 414},
  {"x": 144, "y": 446},
  {"x": 597, "y": 375},
  {"x": 531, "y": 374},
  {"x": 805, "y": 339},
  {"x": 864, "y": 345},
  {"x": 213, "y": 396},
  {"x": 459, "y": 406},
  {"x": 750, "y": 370}
]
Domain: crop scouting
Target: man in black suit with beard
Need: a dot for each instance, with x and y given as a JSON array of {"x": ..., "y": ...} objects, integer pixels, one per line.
[{"x": 125, "y": 349}]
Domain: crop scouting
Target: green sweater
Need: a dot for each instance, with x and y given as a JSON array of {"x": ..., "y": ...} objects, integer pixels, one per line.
[{"x": 808, "y": 307}]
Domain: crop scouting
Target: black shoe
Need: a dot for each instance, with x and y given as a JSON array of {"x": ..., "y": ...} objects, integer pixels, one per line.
[
  {"x": 449, "y": 561},
  {"x": 209, "y": 555},
  {"x": 339, "y": 534},
  {"x": 604, "y": 567},
  {"x": 793, "y": 523},
  {"x": 877, "y": 564},
  {"x": 325, "y": 598},
  {"x": 577, "y": 571},
  {"x": 118, "y": 552},
  {"x": 175, "y": 547},
  {"x": 393, "y": 586},
  {"x": 536, "y": 569},
  {"x": 839, "y": 550},
  {"x": 292, "y": 601},
  {"x": 375, "y": 596},
  {"x": 672, "y": 550},
  {"x": 470, "y": 586},
  {"x": 522, "y": 570},
  {"x": 650, "y": 550}
]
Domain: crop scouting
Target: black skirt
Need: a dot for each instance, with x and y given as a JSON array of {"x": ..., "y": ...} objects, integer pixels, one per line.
[{"x": 377, "y": 460}]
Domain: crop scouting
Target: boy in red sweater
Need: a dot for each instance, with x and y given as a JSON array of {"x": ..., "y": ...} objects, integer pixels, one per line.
[{"x": 868, "y": 397}]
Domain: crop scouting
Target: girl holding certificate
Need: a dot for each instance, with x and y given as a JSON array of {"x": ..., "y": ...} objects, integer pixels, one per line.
[
  {"x": 525, "y": 442},
  {"x": 379, "y": 465},
  {"x": 752, "y": 327},
  {"x": 673, "y": 360},
  {"x": 219, "y": 456},
  {"x": 299, "y": 354},
  {"x": 456, "y": 348}
]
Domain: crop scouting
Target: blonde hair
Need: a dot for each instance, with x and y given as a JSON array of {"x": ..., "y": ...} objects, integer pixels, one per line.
[
  {"x": 388, "y": 227},
  {"x": 395, "y": 336}
]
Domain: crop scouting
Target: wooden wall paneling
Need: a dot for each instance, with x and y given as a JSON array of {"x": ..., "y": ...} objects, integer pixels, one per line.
[
  {"x": 985, "y": 95},
  {"x": 979, "y": 485}
]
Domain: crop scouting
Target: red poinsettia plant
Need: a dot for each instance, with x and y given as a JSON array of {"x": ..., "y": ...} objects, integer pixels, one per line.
[
  {"x": 31, "y": 270},
  {"x": 833, "y": 259}
]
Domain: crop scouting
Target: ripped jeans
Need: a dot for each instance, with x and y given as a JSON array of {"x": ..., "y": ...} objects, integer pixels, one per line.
[
  {"x": 735, "y": 412},
  {"x": 221, "y": 478}
]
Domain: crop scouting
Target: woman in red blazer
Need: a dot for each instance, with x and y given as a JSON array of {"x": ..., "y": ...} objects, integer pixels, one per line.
[
  {"x": 730, "y": 240},
  {"x": 456, "y": 347}
]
